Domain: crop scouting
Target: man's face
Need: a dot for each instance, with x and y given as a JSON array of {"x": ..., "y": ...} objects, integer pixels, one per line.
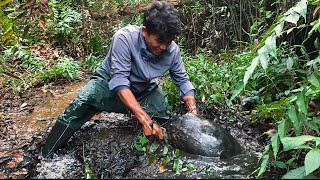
[{"x": 154, "y": 44}]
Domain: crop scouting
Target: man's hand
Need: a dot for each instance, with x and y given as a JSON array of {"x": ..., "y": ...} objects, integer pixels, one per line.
[
  {"x": 191, "y": 104},
  {"x": 149, "y": 127},
  {"x": 152, "y": 129}
]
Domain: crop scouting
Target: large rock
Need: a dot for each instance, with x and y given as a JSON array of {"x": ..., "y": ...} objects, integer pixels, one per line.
[{"x": 196, "y": 135}]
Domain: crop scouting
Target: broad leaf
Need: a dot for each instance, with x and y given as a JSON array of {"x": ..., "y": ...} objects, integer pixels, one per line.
[
  {"x": 293, "y": 17},
  {"x": 289, "y": 63},
  {"x": 312, "y": 161},
  {"x": 301, "y": 8},
  {"x": 237, "y": 90},
  {"x": 293, "y": 142},
  {"x": 271, "y": 45},
  {"x": 264, "y": 164},
  {"x": 275, "y": 144},
  {"x": 302, "y": 102},
  {"x": 295, "y": 119},
  {"x": 250, "y": 70},
  {"x": 316, "y": 27},
  {"x": 263, "y": 57},
  {"x": 280, "y": 164},
  {"x": 278, "y": 29},
  {"x": 314, "y": 79},
  {"x": 298, "y": 173},
  {"x": 313, "y": 61},
  {"x": 282, "y": 128}
]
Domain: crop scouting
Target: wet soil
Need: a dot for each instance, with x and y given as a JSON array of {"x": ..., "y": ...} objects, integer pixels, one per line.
[{"x": 106, "y": 143}]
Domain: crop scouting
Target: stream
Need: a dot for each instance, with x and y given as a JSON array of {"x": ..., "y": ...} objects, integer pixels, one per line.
[{"x": 105, "y": 147}]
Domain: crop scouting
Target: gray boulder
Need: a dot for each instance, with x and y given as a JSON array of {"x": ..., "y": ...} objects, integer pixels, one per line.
[{"x": 196, "y": 135}]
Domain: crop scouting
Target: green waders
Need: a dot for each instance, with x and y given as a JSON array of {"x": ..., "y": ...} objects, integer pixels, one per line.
[{"x": 96, "y": 97}]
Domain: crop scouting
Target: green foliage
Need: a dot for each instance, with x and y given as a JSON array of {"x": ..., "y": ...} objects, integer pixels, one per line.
[
  {"x": 92, "y": 62},
  {"x": 213, "y": 78},
  {"x": 286, "y": 84},
  {"x": 65, "y": 69},
  {"x": 89, "y": 172},
  {"x": 64, "y": 19}
]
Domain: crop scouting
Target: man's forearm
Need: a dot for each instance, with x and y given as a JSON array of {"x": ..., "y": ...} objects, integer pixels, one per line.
[
  {"x": 130, "y": 101},
  {"x": 149, "y": 128}
]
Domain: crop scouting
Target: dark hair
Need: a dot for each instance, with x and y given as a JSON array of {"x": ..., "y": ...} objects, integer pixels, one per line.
[{"x": 162, "y": 19}]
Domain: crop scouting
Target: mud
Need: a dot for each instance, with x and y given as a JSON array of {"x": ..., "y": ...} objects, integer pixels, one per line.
[{"x": 106, "y": 144}]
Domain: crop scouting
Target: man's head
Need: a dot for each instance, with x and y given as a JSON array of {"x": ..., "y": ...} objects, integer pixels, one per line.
[{"x": 161, "y": 23}]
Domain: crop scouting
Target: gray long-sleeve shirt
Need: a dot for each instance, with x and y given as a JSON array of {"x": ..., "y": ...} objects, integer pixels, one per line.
[{"x": 132, "y": 65}]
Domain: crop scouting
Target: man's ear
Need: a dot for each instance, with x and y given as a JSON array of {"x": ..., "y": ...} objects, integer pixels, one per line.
[{"x": 144, "y": 31}]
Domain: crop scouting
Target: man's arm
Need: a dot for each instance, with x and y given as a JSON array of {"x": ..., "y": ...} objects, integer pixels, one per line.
[{"x": 149, "y": 128}]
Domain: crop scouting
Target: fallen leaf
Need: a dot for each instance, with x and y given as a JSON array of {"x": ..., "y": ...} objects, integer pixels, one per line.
[
  {"x": 162, "y": 168},
  {"x": 11, "y": 165},
  {"x": 2, "y": 176}
]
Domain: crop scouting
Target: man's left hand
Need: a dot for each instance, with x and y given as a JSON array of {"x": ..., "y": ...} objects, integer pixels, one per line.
[{"x": 191, "y": 104}]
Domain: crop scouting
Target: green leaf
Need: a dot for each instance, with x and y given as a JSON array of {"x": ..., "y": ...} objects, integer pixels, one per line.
[
  {"x": 191, "y": 168},
  {"x": 177, "y": 165},
  {"x": 280, "y": 164},
  {"x": 314, "y": 79},
  {"x": 302, "y": 102},
  {"x": 271, "y": 45},
  {"x": 312, "y": 62},
  {"x": 250, "y": 70},
  {"x": 298, "y": 173},
  {"x": 316, "y": 27},
  {"x": 275, "y": 144},
  {"x": 312, "y": 161},
  {"x": 152, "y": 159},
  {"x": 282, "y": 128},
  {"x": 289, "y": 63},
  {"x": 154, "y": 147},
  {"x": 237, "y": 90},
  {"x": 143, "y": 140},
  {"x": 177, "y": 153},
  {"x": 166, "y": 160},
  {"x": 293, "y": 142},
  {"x": 278, "y": 29},
  {"x": 89, "y": 173},
  {"x": 295, "y": 119},
  {"x": 165, "y": 150},
  {"x": 301, "y": 8},
  {"x": 264, "y": 164},
  {"x": 293, "y": 17},
  {"x": 264, "y": 57},
  {"x": 138, "y": 147},
  {"x": 313, "y": 125}
]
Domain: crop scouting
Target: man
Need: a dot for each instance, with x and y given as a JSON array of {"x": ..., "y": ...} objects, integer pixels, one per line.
[{"x": 126, "y": 80}]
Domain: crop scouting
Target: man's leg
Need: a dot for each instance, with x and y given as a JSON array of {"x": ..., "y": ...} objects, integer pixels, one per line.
[{"x": 89, "y": 101}]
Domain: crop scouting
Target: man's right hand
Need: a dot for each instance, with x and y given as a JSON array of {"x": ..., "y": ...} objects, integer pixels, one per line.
[{"x": 149, "y": 128}]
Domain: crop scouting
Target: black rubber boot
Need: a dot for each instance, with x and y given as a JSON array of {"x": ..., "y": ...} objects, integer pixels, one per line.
[{"x": 59, "y": 135}]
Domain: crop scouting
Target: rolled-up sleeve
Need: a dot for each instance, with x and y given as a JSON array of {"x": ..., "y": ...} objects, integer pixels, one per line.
[
  {"x": 179, "y": 75},
  {"x": 120, "y": 62}
]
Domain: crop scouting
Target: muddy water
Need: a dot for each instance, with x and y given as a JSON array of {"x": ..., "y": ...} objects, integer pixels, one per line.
[
  {"x": 53, "y": 105},
  {"x": 106, "y": 145}
]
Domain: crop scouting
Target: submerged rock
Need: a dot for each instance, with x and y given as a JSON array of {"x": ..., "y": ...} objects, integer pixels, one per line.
[{"x": 196, "y": 135}]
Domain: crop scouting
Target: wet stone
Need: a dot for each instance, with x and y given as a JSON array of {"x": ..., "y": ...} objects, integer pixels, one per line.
[{"x": 197, "y": 135}]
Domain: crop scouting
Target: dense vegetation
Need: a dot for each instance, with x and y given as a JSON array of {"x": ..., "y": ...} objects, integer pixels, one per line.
[{"x": 262, "y": 55}]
